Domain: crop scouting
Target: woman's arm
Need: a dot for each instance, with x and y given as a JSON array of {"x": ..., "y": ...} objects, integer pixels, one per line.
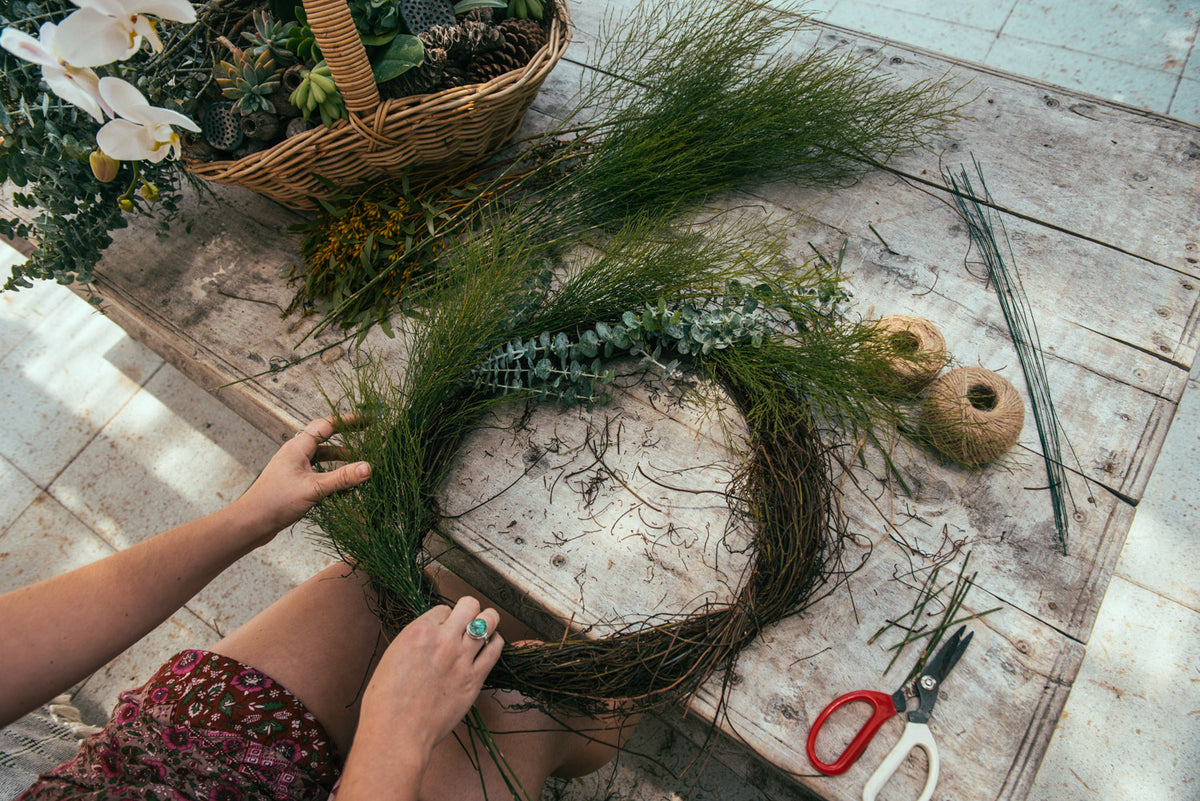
[{"x": 60, "y": 630}]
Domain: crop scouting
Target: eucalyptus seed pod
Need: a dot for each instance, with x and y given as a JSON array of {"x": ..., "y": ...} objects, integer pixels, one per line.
[
  {"x": 261, "y": 126},
  {"x": 292, "y": 78}
]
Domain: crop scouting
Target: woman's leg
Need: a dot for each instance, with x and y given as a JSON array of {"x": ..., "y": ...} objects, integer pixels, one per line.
[
  {"x": 534, "y": 745},
  {"x": 321, "y": 641}
]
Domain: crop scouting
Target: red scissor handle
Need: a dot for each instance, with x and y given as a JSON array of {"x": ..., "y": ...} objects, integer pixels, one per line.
[{"x": 884, "y": 707}]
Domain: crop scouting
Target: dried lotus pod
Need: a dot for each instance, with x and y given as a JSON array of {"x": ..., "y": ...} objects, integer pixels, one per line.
[
  {"x": 221, "y": 127},
  {"x": 421, "y": 15}
]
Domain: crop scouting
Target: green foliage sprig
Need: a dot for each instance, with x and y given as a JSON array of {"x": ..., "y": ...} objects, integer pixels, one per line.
[
  {"x": 693, "y": 100},
  {"x": 570, "y": 369}
]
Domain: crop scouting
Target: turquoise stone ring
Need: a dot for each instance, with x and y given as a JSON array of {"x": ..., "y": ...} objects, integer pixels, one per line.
[{"x": 477, "y": 629}]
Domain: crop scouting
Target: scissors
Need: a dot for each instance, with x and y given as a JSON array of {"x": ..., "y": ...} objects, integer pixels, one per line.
[{"x": 916, "y": 731}]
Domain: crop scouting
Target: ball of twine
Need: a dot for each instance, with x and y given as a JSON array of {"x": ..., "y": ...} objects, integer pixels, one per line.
[
  {"x": 917, "y": 353},
  {"x": 972, "y": 415}
]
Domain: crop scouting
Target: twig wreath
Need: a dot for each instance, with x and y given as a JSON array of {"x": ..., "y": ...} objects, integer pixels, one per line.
[
  {"x": 692, "y": 100},
  {"x": 725, "y": 302}
]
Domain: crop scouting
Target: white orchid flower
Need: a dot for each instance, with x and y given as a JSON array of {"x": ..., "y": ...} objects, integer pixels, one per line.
[
  {"x": 103, "y": 31},
  {"x": 79, "y": 86},
  {"x": 145, "y": 131}
]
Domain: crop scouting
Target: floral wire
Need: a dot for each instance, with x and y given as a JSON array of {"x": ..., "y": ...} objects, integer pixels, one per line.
[{"x": 982, "y": 222}]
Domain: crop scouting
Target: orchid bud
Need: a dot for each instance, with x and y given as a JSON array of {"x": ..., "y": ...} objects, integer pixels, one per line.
[
  {"x": 126, "y": 203},
  {"x": 150, "y": 192},
  {"x": 104, "y": 166}
]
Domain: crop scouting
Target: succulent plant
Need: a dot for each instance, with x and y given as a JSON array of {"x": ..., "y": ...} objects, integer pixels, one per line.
[
  {"x": 301, "y": 39},
  {"x": 248, "y": 80},
  {"x": 377, "y": 21},
  {"x": 317, "y": 92},
  {"x": 525, "y": 9},
  {"x": 273, "y": 36}
]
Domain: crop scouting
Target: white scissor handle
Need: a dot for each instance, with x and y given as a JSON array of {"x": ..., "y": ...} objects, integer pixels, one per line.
[{"x": 916, "y": 735}]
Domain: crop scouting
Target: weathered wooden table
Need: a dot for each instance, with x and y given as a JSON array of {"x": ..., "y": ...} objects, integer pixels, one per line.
[{"x": 1101, "y": 204}]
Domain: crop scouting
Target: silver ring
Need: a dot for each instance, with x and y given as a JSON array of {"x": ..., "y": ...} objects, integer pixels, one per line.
[{"x": 477, "y": 629}]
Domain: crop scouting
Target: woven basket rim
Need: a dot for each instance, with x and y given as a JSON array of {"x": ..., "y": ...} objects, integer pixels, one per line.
[{"x": 398, "y": 110}]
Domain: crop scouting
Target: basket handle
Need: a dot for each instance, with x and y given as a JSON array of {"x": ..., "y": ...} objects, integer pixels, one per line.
[{"x": 343, "y": 50}]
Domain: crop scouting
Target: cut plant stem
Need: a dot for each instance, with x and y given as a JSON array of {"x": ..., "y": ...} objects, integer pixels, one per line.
[{"x": 932, "y": 636}]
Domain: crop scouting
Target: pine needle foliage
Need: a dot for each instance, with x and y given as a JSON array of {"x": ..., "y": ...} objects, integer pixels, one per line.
[{"x": 693, "y": 100}]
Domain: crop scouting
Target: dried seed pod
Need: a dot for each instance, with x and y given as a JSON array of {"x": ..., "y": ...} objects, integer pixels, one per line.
[
  {"x": 261, "y": 126},
  {"x": 420, "y": 79},
  {"x": 221, "y": 127},
  {"x": 297, "y": 126},
  {"x": 421, "y": 15}
]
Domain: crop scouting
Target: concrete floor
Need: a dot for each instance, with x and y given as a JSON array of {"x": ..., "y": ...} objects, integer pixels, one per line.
[{"x": 104, "y": 445}]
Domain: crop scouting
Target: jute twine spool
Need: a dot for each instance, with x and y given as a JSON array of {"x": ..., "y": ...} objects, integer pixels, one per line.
[
  {"x": 919, "y": 353},
  {"x": 972, "y": 415}
]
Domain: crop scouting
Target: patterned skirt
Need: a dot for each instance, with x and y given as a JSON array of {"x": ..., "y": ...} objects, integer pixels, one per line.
[{"x": 204, "y": 728}]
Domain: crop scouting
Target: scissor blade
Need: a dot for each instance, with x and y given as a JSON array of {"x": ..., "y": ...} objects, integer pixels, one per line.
[
  {"x": 948, "y": 655},
  {"x": 930, "y": 680}
]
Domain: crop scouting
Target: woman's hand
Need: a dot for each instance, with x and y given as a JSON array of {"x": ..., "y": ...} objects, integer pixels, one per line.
[
  {"x": 432, "y": 672},
  {"x": 289, "y": 486},
  {"x": 423, "y": 687}
]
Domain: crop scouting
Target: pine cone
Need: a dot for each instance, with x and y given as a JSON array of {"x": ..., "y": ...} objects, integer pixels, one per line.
[
  {"x": 523, "y": 37},
  {"x": 481, "y": 37},
  {"x": 455, "y": 77},
  {"x": 493, "y": 64},
  {"x": 420, "y": 79}
]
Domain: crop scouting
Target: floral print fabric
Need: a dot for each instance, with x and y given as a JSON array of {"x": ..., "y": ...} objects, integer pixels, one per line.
[{"x": 204, "y": 728}]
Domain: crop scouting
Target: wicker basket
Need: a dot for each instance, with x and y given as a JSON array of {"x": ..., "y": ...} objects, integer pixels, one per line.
[{"x": 382, "y": 137}]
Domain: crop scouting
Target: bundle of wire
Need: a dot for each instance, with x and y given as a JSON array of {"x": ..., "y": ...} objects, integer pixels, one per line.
[{"x": 983, "y": 221}]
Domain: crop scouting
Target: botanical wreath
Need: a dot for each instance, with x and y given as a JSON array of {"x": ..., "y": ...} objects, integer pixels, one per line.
[
  {"x": 723, "y": 303},
  {"x": 595, "y": 265}
]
